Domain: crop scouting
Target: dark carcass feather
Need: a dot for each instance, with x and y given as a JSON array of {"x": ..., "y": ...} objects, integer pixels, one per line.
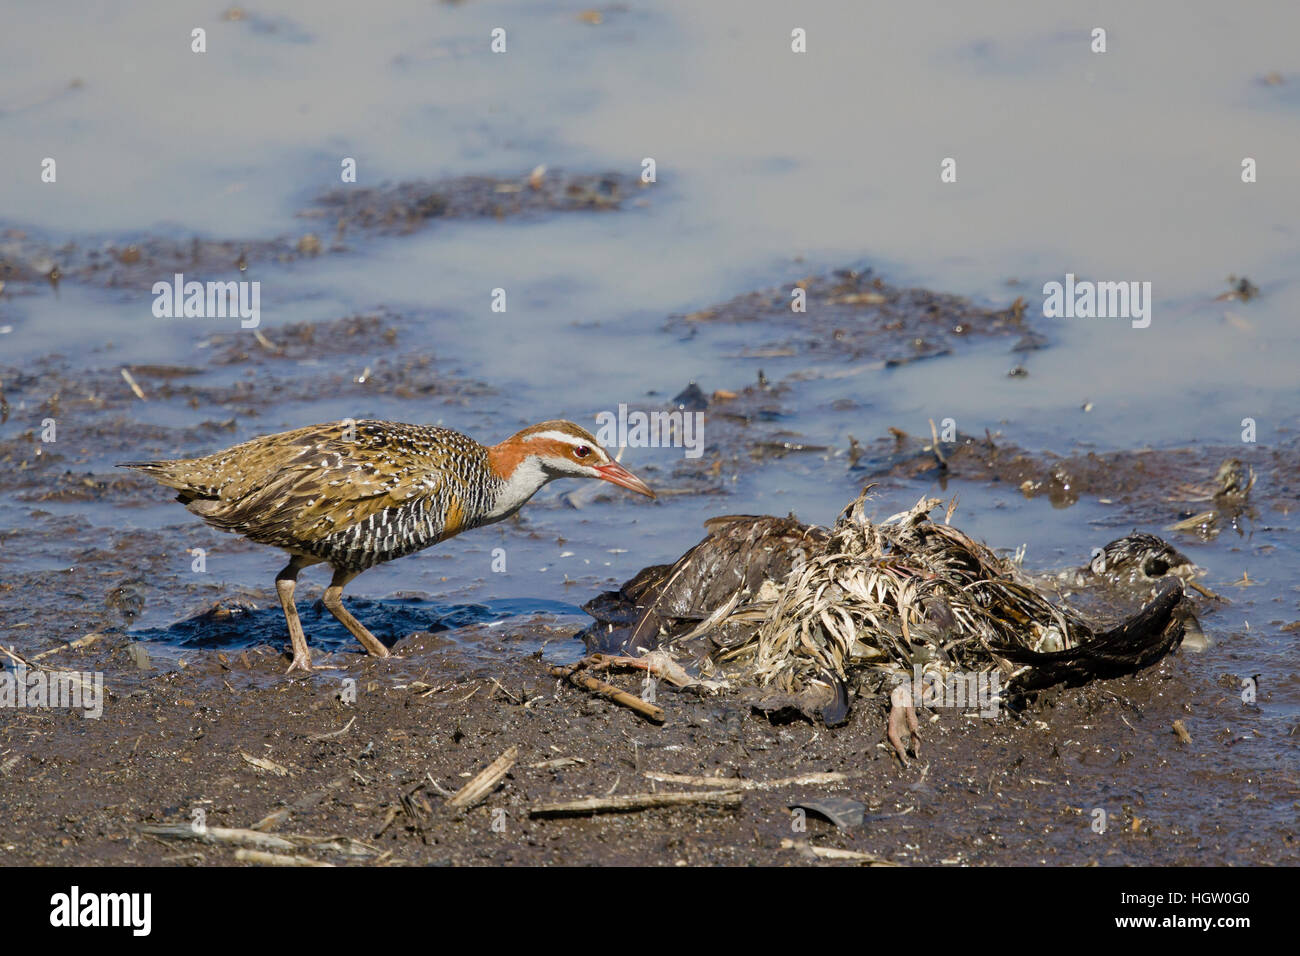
[{"x": 1137, "y": 643}]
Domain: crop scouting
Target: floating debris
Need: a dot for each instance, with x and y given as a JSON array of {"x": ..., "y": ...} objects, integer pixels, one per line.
[
  {"x": 1202, "y": 523},
  {"x": 691, "y": 399},
  {"x": 1242, "y": 290},
  {"x": 135, "y": 386},
  {"x": 139, "y": 655},
  {"x": 1031, "y": 341},
  {"x": 1234, "y": 480},
  {"x": 1229, "y": 490}
]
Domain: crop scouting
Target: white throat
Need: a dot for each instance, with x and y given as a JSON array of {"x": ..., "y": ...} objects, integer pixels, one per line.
[{"x": 523, "y": 483}]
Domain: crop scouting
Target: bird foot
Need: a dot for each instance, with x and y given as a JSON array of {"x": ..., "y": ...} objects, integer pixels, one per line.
[
  {"x": 902, "y": 714},
  {"x": 300, "y": 662}
]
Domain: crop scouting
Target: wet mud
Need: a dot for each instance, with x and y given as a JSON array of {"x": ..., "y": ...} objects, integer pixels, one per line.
[{"x": 361, "y": 779}]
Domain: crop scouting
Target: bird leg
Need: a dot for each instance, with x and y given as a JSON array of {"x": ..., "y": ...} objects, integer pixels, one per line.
[
  {"x": 284, "y": 585},
  {"x": 334, "y": 603},
  {"x": 902, "y": 714}
]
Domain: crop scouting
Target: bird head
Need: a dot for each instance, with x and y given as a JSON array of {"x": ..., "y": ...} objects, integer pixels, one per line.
[{"x": 559, "y": 449}]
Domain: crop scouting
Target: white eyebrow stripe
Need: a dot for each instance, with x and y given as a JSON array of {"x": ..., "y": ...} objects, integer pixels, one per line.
[{"x": 559, "y": 436}]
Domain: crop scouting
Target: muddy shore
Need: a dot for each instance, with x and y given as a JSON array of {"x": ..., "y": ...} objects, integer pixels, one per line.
[{"x": 1021, "y": 789}]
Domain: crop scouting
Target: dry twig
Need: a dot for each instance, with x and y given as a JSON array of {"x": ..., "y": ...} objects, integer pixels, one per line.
[
  {"x": 477, "y": 790},
  {"x": 638, "y": 801}
]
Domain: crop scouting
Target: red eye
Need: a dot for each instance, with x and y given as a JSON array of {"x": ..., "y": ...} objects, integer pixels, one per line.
[{"x": 582, "y": 451}]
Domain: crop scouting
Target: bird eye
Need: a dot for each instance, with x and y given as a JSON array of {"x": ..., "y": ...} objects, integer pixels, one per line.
[
  {"x": 1155, "y": 567},
  {"x": 582, "y": 451}
]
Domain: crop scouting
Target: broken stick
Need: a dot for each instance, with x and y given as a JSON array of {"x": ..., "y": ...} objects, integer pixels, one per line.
[
  {"x": 477, "y": 790},
  {"x": 741, "y": 783},
  {"x": 229, "y": 836},
  {"x": 638, "y": 801},
  {"x": 646, "y": 709}
]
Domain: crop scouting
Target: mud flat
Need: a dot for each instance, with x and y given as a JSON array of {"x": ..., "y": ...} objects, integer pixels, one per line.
[{"x": 226, "y": 735}]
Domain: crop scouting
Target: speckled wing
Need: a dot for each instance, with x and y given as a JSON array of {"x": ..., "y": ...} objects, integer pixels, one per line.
[
  {"x": 353, "y": 493},
  {"x": 301, "y": 487}
]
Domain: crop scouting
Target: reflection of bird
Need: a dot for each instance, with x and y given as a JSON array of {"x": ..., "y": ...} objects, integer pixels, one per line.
[{"x": 356, "y": 494}]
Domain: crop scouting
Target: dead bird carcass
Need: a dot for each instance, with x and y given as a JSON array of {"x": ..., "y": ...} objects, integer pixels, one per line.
[{"x": 799, "y": 612}]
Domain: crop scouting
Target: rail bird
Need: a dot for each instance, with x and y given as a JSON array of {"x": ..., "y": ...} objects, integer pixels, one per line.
[{"x": 356, "y": 494}]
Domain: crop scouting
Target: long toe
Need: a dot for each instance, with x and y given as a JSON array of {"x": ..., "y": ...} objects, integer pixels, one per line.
[{"x": 902, "y": 716}]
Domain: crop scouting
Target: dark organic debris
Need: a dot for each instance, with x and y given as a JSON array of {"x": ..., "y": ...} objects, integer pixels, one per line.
[
  {"x": 126, "y": 598},
  {"x": 1125, "y": 477},
  {"x": 797, "y": 611},
  {"x": 1233, "y": 479},
  {"x": 405, "y": 207},
  {"x": 1241, "y": 288},
  {"x": 691, "y": 399},
  {"x": 856, "y": 314},
  {"x": 390, "y": 209},
  {"x": 1031, "y": 341},
  {"x": 841, "y": 811}
]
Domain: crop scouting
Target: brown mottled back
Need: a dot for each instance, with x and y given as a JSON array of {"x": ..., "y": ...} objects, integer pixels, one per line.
[{"x": 335, "y": 490}]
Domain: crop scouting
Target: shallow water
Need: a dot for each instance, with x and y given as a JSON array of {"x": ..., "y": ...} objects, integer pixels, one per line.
[{"x": 771, "y": 167}]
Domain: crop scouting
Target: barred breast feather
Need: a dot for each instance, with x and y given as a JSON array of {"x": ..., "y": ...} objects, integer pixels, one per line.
[{"x": 354, "y": 494}]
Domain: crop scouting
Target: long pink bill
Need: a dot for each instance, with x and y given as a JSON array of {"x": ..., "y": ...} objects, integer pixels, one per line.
[{"x": 618, "y": 475}]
